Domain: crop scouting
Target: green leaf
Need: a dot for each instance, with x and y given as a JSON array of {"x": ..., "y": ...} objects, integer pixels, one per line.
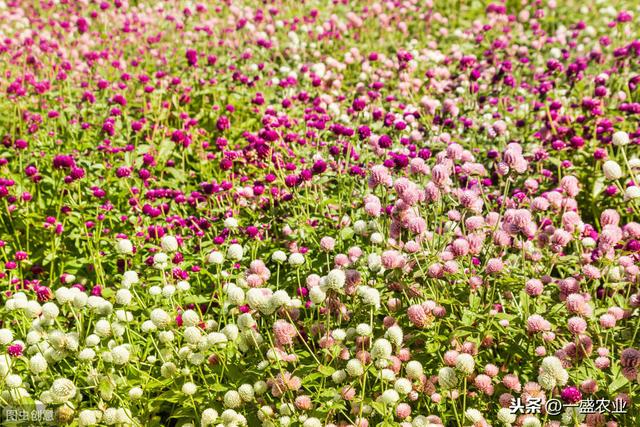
[{"x": 326, "y": 370}]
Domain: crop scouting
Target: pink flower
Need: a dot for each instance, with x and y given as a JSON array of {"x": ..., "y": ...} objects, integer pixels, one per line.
[
  {"x": 536, "y": 323},
  {"x": 534, "y": 287},
  {"x": 284, "y": 333},
  {"x": 512, "y": 382},
  {"x": 403, "y": 410},
  {"x": 417, "y": 316},
  {"x": 494, "y": 266},
  {"x": 327, "y": 243},
  {"x": 15, "y": 350},
  {"x": 303, "y": 403},
  {"x": 607, "y": 321},
  {"x": 570, "y": 185},
  {"x": 491, "y": 370},
  {"x": 576, "y": 325},
  {"x": 484, "y": 384}
]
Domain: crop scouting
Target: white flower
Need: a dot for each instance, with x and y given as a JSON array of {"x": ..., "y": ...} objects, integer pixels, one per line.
[
  {"x": 208, "y": 417},
  {"x": 62, "y": 390},
  {"x": 37, "y": 363},
  {"x": 235, "y": 252},
  {"x": 335, "y": 280},
  {"x": 169, "y": 243},
  {"x": 120, "y": 354},
  {"x": 317, "y": 295},
  {"x": 215, "y": 257},
  {"x": 189, "y": 388},
  {"x": 374, "y": 261},
  {"x": 339, "y": 334},
  {"x": 360, "y": 227},
  {"x": 474, "y": 415},
  {"x": 129, "y": 278},
  {"x": 6, "y": 336},
  {"x": 296, "y": 259},
  {"x": 231, "y": 222},
  {"x": 135, "y": 393},
  {"x": 13, "y": 381},
  {"x": 87, "y": 355},
  {"x": 190, "y": 318},
  {"x": 612, "y": 170},
  {"x": 168, "y": 291},
  {"x": 124, "y": 247},
  {"x": 92, "y": 340},
  {"x": 235, "y": 294},
  {"x": 414, "y": 369},
  {"x": 620, "y": 138},
  {"x": 279, "y": 257},
  {"x": 33, "y": 309},
  {"x": 377, "y": 238},
  {"x": 109, "y": 416},
  {"x": 505, "y": 416},
  {"x": 160, "y": 318},
  {"x": 160, "y": 261},
  {"x": 312, "y": 422},
  {"x": 232, "y": 399},
  {"x": 363, "y": 330},
  {"x": 87, "y": 418},
  {"x": 192, "y": 334},
  {"x": 403, "y": 386},
  {"x": 381, "y": 349},
  {"x": 631, "y": 193},
  {"x": 123, "y": 297},
  {"x": 395, "y": 335},
  {"x": 50, "y": 310},
  {"x": 389, "y": 397},
  {"x": 183, "y": 286},
  {"x": 102, "y": 328},
  {"x": 354, "y": 368},
  {"x": 465, "y": 363},
  {"x": 370, "y": 296},
  {"x": 246, "y": 392}
]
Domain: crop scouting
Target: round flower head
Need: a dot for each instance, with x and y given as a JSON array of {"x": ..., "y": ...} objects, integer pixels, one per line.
[
  {"x": 279, "y": 257},
  {"x": 531, "y": 421},
  {"x": 235, "y": 252},
  {"x": 124, "y": 247},
  {"x": 135, "y": 393},
  {"x": 403, "y": 386},
  {"x": 335, "y": 280},
  {"x": 232, "y": 399},
  {"x": 612, "y": 170},
  {"x": 354, "y": 368},
  {"x": 37, "y": 363},
  {"x": 296, "y": 259},
  {"x": 160, "y": 318},
  {"x": 465, "y": 363},
  {"x": 215, "y": 258},
  {"x": 414, "y": 369},
  {"x": 389, "y": 397},
  {"x": 447, "y": 378},
  {"x": 6, "y": 336},
  {"x": 620, "y": 138},
  {"x": 189, "y": 388},
  {"x": 62, "y": 390},
  {"x": 169, "y": 243},
  {"x": 381, "y": 349},
  {"x": 632, "y": 193},
  {"x": 208, "y": 417},
  {"x": 474, "y": 415},
  {"x": 505, "y": 416}
]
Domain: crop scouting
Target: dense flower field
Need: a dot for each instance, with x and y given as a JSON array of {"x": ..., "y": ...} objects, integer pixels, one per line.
[{"x": 347, "y": 213}]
